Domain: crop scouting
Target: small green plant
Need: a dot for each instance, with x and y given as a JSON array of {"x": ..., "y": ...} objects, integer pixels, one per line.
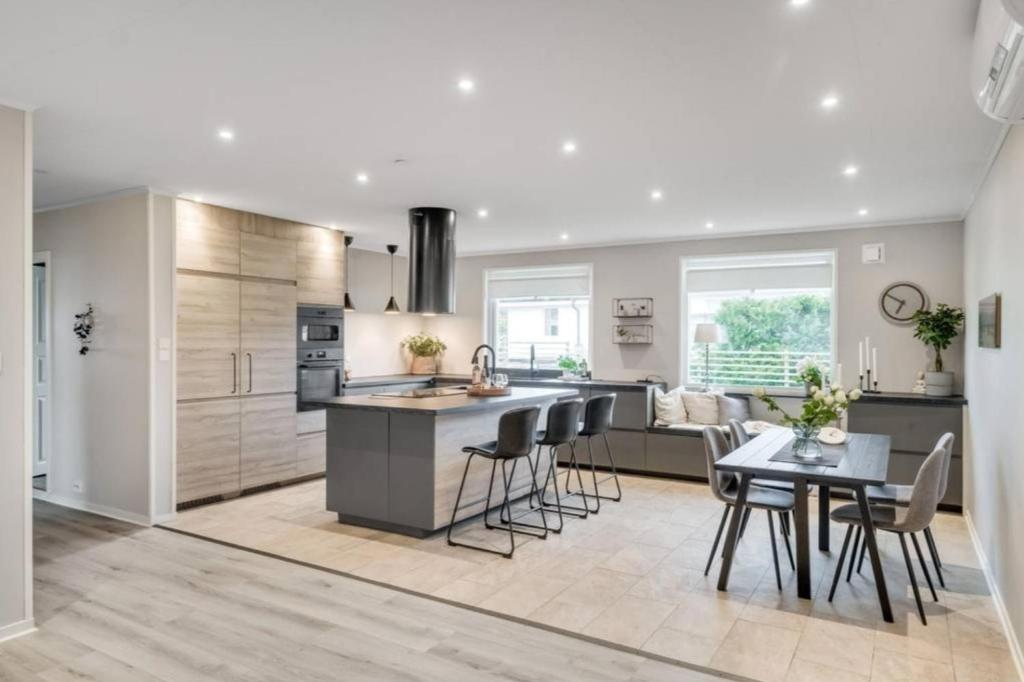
[
  {"x": 424, "y": 345},
  {"x": 568, "y": 363},
  {"x": 937, "y": 328}
]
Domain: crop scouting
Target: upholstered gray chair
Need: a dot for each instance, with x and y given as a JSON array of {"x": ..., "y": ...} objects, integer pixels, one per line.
[
  {"x": 900, "y": 495},
  {"x": 908, "y": 520},
  {"x": 738, "y": 435},
  {"x": 725, "y": 488}
]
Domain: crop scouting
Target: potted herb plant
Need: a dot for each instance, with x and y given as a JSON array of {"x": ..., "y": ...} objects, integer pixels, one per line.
[
  {"x": 425, "y": 350},
  {"x": 937, "y": 328},
  {"x": 824, "y": 406},
  {"x": 569, "y": 366}
]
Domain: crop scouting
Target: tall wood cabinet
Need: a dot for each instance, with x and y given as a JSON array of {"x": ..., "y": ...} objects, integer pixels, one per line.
[{"x": 240, "y": 279}]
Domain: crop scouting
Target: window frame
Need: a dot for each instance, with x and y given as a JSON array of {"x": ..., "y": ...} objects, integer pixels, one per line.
[
  {"x": 489, "y": 319},
  {"x": 684, "y": 313}
]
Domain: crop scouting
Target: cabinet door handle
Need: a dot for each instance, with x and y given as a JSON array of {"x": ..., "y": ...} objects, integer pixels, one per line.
[
  {"x": 249, "y": 355},
  {"x": 234, "y": 373}
]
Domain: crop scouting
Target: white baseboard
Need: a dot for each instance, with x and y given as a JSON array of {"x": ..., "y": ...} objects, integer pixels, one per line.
[
  {"x": 92, "y": 508},
  {"x": 997, "y": 597},
  {"x": 164, "y": 518},
  {"x": 22, "y": 627}
]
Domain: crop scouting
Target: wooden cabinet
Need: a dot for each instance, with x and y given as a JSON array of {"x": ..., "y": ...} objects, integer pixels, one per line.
[
  {"x": 208, "y": 237},
  {"x": 208, "y": 449},
  {"x": 268, "y": 257},
  {"x": 311, "y": 454},
  {"x": 320, "y": 266},
  {"x": 208, "y": 336},
  {"x": 267, "y": 439},
  {"x": 268, "y": 346}
]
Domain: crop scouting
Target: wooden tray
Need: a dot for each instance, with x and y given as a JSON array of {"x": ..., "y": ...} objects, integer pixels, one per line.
[{"x": 493, "y": 391}]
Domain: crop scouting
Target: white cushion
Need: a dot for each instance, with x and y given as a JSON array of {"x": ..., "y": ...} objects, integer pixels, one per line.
[
  {"x": 732, "y": 408},
  {"x": 701, "y": 408},
  {"x": 668, "y": 408}
]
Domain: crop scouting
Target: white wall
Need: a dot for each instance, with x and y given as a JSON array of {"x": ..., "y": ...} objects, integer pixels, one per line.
[
  {"x": 16, "y": 250},
  {"x": 372, "y": 338},
  {"x": 162, "y": 395},
  {"x": 994, "y": 460},
  {"x": 927, "y": 254},
  {"x": 101, "y": 401}
]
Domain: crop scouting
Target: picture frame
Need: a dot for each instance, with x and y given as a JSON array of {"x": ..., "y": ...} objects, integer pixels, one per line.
[
  {"x": 629, "y": 334},
  {"x": 990, "y": 321},
  {"x": 632, "y": 307}
]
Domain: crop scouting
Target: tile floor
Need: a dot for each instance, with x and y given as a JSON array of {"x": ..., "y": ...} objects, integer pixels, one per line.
[{"x": 633, "y": 576}]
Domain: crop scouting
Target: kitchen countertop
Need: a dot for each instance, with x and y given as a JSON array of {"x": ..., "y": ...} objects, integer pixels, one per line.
[
  {"x": 450, "y": 404},
  {"x": 913, "y": 399},
  {"x": 391, "y": 379}
]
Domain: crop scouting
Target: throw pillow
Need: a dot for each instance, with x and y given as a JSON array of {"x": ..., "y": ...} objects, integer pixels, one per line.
[
  {"x": 732, "y": 408},
  {"x": 668, "y": 408},
  {"x": 701, "y": 408}
]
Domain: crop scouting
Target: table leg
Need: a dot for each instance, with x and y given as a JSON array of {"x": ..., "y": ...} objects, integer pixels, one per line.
[
  {"x": 803, "y": 540},
  {"x": 733, "y": 536},
  {"x": 823, "y": 516},
  {"x": 876, "y": 561}
]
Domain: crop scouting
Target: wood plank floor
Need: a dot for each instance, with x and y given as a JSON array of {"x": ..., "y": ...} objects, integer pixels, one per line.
[
  {"x": 632, "y": 576},
  {"x": 118, "y": 602}
]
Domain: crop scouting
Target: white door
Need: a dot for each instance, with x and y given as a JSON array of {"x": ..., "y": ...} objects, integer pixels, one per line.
[{"x": 40, "y": 366}]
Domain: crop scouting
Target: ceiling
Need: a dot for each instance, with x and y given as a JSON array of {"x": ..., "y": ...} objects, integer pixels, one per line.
[{"x": 717, "y": 103}]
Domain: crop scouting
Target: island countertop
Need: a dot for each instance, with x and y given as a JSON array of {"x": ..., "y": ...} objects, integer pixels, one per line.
[{"x": 449, "y": 404}]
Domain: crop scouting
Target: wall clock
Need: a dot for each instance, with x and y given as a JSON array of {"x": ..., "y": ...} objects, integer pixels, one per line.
[{"x": 901, "y": 300}]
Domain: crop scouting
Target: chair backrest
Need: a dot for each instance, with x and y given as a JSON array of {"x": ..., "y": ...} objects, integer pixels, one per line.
[
  {"x": 946, "y": 441},
  {"x": 597, "y": 415},
  {"x": 738, "y": 433},
  {"x": 924, "y": 499},
  {"x": 517, "y": 432},
  {"x": 563, "y": 420},
  {"x": 715, "y": 448}
]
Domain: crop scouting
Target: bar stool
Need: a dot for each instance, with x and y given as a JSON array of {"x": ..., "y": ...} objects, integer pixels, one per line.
[
  {"x": 563, "y": 420},
  {"x": 597, "y": 421},
  {"x": 517, "y": 431}
]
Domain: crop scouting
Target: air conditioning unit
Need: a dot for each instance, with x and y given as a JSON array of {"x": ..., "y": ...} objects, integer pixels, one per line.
[{"x": 997, "y": 72}]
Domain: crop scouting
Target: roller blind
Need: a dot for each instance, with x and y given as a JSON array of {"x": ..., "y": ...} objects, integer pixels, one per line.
[{"x": 564, "y": 281}]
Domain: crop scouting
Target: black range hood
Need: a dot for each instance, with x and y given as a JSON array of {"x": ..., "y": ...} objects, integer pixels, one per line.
[{"x": 432, "y": 261}]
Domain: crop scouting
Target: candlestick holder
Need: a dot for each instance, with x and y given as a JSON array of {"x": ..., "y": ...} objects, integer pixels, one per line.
[
  {"x": 876, "y": 388},
  {"x": 860, "y": 381},
  {"x": 869, "y": 389}
]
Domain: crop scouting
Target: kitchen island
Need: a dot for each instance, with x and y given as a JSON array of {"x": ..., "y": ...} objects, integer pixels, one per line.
[{"x": 394, "y": 461}]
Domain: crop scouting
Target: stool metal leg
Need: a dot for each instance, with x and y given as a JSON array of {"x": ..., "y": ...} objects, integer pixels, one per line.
[
  {"x": 542, "y": 495},
  {"x": 775, "y": 551},
  {"x": 718, "y": 536},
  {"x": 614, "y": 476},
  {"x": 574, "y": 463},
  {"x": 924, "y": 566},
  {"x": 934, "y": 551},
  {"x": 853, "y": 554},
  {"x": 517, "y": 526},
  {"x": 455, "y": 511},
  {"x": 913, "y": 578},
  {"x": 839, "y": 564},
  {"x": 785, "y": 538}
]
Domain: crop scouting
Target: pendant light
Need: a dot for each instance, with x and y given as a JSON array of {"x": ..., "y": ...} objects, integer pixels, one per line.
[
  {"x": 349, "y": 306},
  {"x": 392, "y": 306}
]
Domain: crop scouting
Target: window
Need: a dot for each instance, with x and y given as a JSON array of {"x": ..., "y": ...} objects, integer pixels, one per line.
[
  {"x": 546, "y": 308},
  {"x": 774, "y": 309}
]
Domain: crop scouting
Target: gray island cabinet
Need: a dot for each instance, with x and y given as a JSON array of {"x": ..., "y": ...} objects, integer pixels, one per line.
[{"x": 395, "y": 462}]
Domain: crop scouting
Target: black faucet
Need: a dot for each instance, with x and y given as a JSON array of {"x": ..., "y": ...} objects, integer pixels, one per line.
[
  {"x": 476, "y": 358},
  {"x": 533, "y": 359}
]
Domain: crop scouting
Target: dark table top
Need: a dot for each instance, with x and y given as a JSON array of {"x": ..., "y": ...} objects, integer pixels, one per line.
[{"x": 866, "y": 461}]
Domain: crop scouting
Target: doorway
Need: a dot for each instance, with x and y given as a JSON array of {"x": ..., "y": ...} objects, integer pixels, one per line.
[{"x": 42, "y": 354}]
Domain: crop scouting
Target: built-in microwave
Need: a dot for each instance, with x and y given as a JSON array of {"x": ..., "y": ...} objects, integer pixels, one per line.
[{"x": 320, "y": 329}]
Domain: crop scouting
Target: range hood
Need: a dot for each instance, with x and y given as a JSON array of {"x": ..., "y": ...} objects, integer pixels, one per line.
[{"x": 432, "y": 261}]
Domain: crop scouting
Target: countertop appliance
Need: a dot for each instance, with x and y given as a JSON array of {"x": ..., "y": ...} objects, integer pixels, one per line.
[{"x": 320, "y": 340}]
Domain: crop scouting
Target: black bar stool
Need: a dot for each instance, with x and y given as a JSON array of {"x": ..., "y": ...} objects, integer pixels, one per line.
[
  {"x": 517, "y": 431},
  {"x": 597, "y": 421},
  {"x": 563, "y": 421}
]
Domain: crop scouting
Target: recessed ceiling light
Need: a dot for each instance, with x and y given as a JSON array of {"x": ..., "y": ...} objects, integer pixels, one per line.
[
  {"x": 829, "y": 101},
  {"x": 799, "y": 3},
  {"x": 709, "y": 225},
  {"x": 862, "y": 212},
  {"x": 569, "y": 147},
  {"x": 850, "y": 171},
  {"x": 564, "y": 236},
  {"x": 362, "y": 178},
  {"x": 656, "y": 195},
  {"x": 226, "y": 134},
  {"x": 482, "y": 212},
  {"x": 466, "y": 85}
]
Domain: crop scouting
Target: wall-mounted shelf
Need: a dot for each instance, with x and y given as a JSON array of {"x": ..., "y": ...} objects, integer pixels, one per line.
[
  {"x": 633, "y": 334},
  {"x": 632, "y": 307}
]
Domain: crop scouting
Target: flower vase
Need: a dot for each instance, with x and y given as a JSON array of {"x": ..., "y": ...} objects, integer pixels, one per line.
[{"x": 805, "y": 443}]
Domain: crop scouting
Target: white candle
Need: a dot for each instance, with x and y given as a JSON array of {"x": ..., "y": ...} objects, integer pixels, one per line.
[
  {"x": 860, "y": 358},
  {"x": 874, "y": 363},
  {"x": 867, "y": 350}
]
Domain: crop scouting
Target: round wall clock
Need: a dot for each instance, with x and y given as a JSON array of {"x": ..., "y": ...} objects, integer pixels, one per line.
[{"x": 900, "y": 300}]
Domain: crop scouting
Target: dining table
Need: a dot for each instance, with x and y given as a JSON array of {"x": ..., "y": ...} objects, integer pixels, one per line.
[{"x": 861, "y": 460}]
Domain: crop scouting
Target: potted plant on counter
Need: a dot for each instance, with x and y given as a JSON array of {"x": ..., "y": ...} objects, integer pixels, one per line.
[
  {"x": 569, "y": 365},
  {"x": 425, "y": 350},
  {"x": 937, "y": 328},
  {"x": 824, "y": 406}
]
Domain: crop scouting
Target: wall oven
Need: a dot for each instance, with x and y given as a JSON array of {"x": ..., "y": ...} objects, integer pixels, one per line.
[{"x": 321, "y": 342}]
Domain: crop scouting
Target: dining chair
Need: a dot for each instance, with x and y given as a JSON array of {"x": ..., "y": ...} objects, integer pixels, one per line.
[
  {"x": 901, "y": 520},
  {"x": 725, "y": 488},
  {"x": 900, "y": 495},
  {"x": 738, "y": 436}
]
